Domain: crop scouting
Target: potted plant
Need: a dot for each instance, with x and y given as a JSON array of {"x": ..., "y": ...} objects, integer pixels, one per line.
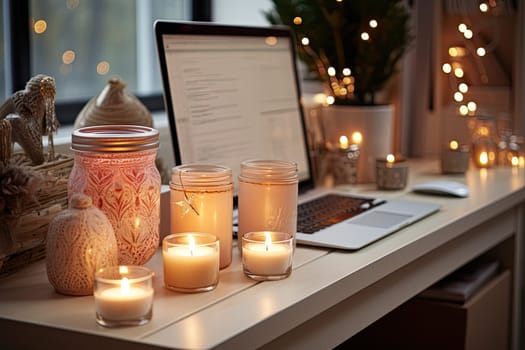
[{"x": 353, "y": 48}]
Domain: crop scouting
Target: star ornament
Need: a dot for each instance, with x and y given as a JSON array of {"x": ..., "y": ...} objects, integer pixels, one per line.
[{"x": 187, "y": 204}]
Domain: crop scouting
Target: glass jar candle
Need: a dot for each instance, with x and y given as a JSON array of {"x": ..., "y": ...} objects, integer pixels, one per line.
[
  {"x": 115, "y": 166},
  {"x": 201, "y": 200},
  {"x": 268, "y": 192}
]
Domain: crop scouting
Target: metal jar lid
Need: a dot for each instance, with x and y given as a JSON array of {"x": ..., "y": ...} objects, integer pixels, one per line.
[{"x": 114, "y": 139}]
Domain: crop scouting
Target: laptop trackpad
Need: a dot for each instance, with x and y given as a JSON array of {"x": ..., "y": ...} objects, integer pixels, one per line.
[{"x": 380, "y": 219}]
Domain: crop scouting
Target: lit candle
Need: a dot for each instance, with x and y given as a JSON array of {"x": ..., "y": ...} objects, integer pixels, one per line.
[
  {"x": 454, "y": 159},
  {"x": 267, "y": 255},
  {"x": 191, "y": 262},
  {"x": 343, "y": 142},
  {"x": 124, "y": 300},
  {"x": 357, "y": 138},
  {"x": 391, "y": 173}
]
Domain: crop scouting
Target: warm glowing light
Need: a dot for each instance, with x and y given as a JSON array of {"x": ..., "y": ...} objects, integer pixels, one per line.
[
  {"x": 463, "y": 88},
  {"x": 483, "y": 158},
  {"x": 347, "y": 80},
  {"x": 103, "y": 68},
  {"x": 191, "y": 244},
  {"x": 390, "y": 158},
  {"x": 515, "y": 161},
  {"x": 481, "y": 51},
  {"x": 297, "y": 20},
  {"x": 458, "y": 96},
  {"x": 124, "y": 286},
  {"x": 347, "y": 71},
  {"x": 357, "y": 137},
  {"x": 270, "y": 40},
  {"x": 468, "y": 34},
  {"x": 447, "y": 68},
  {"x": 330, "y": 100},
  {"x": 462, "y": 27},
  {"x": 343, "y": 142},
  {"x": 40, "y": 26},
  {"x": 453, "y": 145},
  {"x": 458, "y": 72},
  {"x": 305, "y": 41},
  {"x": 365, "y": 36},
  {"x": 68, "y": 56},
  {"x": 463, "y": 110},
  {"x": 331, "y": 71},
  {"x": 456, "y": 51},
  {"x": 372, "y": 23},
  {"x": 123, "y": 270},
  {"x": 267, "y": 241},
  {"x": 483, "y": 7},
  {"x": 521, "y": 162},
  {"x": 472, "y": 106}
]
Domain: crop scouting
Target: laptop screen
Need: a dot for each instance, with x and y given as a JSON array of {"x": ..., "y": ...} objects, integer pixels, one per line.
[{"x": 232, "y": 95}]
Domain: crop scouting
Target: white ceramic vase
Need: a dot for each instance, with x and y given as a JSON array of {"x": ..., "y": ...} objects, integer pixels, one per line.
[{"x": 376, "y": 125}]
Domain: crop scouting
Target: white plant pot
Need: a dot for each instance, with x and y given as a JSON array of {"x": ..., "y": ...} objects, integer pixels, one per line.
[{"x": 376, "y": 125}]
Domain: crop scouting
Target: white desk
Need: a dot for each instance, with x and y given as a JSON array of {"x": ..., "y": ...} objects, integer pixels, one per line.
[{"x": 330, "y": 296}]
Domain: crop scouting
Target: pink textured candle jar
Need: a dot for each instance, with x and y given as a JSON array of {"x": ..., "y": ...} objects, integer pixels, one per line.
[{"x": 115, "y": 166}]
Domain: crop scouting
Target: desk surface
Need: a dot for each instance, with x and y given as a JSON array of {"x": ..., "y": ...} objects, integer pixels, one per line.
[{"x": 243, "y": 313}]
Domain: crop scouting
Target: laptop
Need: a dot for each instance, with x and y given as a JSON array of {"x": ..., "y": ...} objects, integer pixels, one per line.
[{"x": 232, "y": 93}]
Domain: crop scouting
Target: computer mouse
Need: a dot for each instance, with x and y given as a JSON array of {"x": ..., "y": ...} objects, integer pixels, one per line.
[{"x": 443, "y": 188}]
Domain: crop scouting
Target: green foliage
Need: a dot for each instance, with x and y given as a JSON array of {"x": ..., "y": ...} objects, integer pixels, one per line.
[{"x": 334, "y": 31}]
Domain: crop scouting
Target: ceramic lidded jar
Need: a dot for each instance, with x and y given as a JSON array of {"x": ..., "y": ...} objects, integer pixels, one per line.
[
  {"x": 115, "y": 166},
  {"x": 80, "y": 241}
]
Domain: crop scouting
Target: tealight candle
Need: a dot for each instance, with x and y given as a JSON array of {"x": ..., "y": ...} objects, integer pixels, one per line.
[
  {"x": 391, "y": 173},
  {"x": 191, "y": 262},
  {"x": 343, "y": 142},
  {"x": 267, "y": 255},
  {"x": 123, "y": 296},
  {"x": 455, "y": 158}
]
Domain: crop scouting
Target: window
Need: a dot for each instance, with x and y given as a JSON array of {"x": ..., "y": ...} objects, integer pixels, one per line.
[{"x": 84, "y": 43}]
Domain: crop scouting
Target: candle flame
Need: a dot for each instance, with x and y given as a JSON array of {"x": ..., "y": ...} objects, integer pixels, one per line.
[
  {"x": 390, "y": 158},
  {"x": 515, "y": 161},
  {"x": 454, "y": 145},
  {"x": 123, "y": 270},
  {"x": 268, "y": 241},
  {"x": 483, "y": 158},
  {"x": 124, "y": 286},
  {"x": 343, "y": 142},
  {"x": 192, "y": 244},
  {"x": 357, "y": 137}
]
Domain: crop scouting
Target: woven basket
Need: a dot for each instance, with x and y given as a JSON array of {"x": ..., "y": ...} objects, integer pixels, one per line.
[{"x": 28, "y": 237}]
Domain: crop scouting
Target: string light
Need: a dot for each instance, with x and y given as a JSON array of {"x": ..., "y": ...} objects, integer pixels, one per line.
[
  {"x": 468, "y": 34},
  {"x": 458, "y": 96},
  {"x": 462, "y": 27},
  {"x": 462, "y": 87},
  {"x": 365, "y": 36},
  {"x": 481, "y": 51},
  {"x": 68, "y": 56},
  {"x": 103, "y": 68},
  {"x": 458, "y": 72},
  {"x": 330, "y": 100},
  {"x": 372, "y": 23},
  {"x": 463, "y": 110},
  {"x": 297, "y": 20},
  {"x": 331, "y": 71},
  {"x": 483, "y": 7},
  {"x": 447, "y": 68},
  {"x": 40, "y": 26},
  {"x": 456, "y": 51},
  {"x": 305, "y": 41},
  {"x": 472, "y": 106},
  {"x": 347, "y": 71}
]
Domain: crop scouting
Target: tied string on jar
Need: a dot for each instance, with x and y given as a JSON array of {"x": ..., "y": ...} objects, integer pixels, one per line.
[
  {"x": 47, "y": 90},
  {"x": 187, "y": 203}
]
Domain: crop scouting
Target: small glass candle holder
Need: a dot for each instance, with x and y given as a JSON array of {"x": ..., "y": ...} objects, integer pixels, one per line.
[
  {"x": 344, "y": 163},
  {"x": 267, "y": 255},
  {"x": 391, "y": 173},
  {"x": 123, "y": 296},
  {"x": 191, "y": 262},
  {"x": 455, "y": 158}
]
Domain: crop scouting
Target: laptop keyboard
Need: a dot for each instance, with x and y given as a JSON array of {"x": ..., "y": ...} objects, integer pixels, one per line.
[{"x": 328, "y": 210}]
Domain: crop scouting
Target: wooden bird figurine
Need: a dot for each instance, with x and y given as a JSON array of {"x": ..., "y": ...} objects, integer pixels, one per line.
[{"x": 30, "y": 114}]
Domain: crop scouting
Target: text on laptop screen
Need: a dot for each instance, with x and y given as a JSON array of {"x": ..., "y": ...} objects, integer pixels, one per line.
[{"x": 235, "y": 98}]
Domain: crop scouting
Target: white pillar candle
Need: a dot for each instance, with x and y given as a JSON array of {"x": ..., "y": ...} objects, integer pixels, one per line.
[
  {"x": 191, "y": 262},
  {"x": 267, "y": 255},
  {"x": 123, "y": 295},
  {"x": 124, "y": 302}
]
